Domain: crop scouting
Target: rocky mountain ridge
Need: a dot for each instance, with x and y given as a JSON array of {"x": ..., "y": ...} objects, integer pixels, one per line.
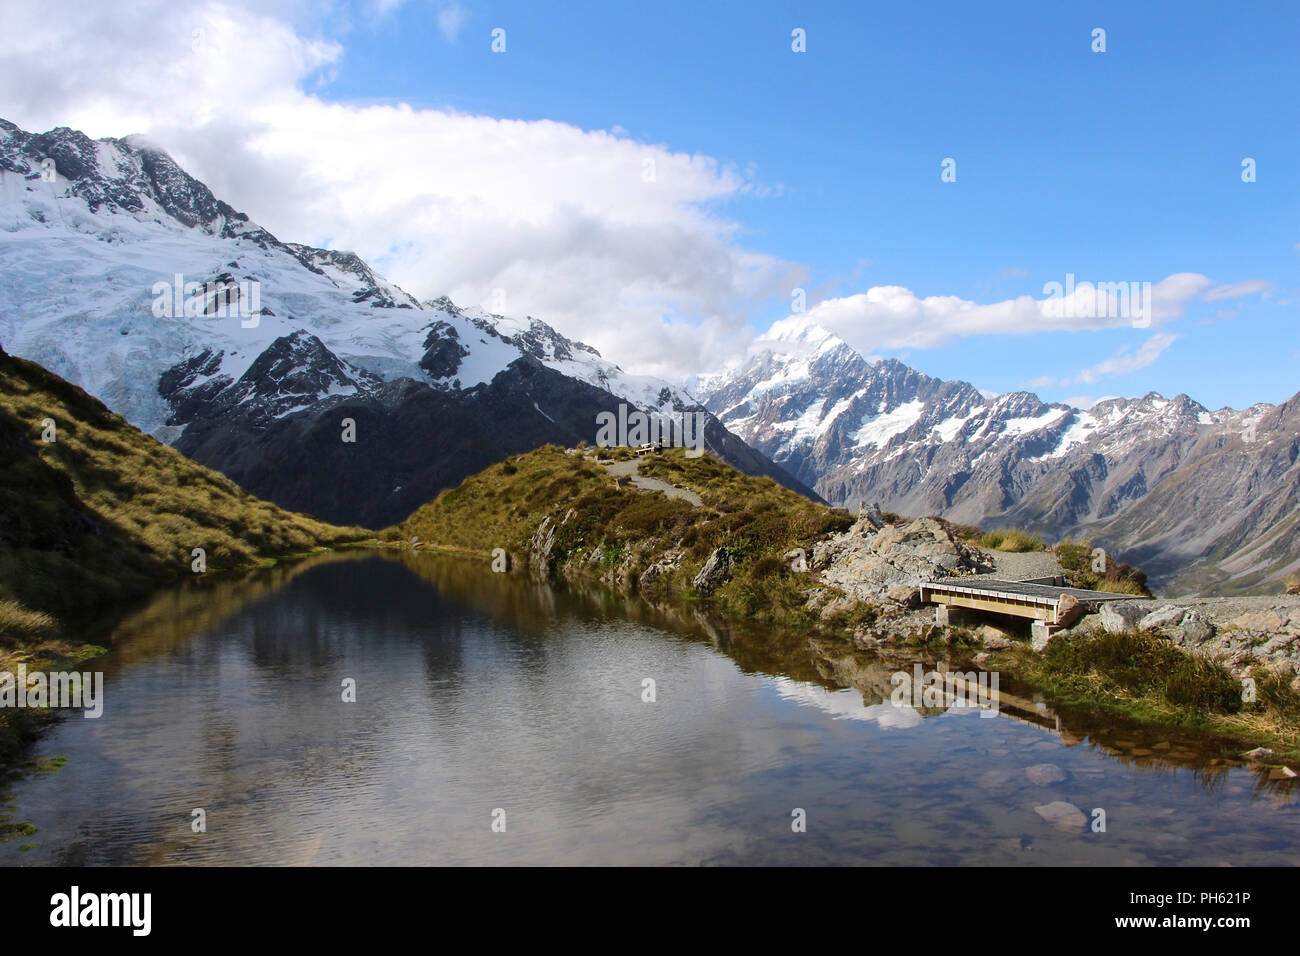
[
  {"x": 1196, "y": 497},
  {"x": 128, "y": 277}
]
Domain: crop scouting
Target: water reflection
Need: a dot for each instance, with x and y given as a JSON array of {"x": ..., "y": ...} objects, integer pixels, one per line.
[{"x": 478, "y": 692}]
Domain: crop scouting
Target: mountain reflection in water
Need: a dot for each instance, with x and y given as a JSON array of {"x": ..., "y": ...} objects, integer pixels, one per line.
[{"x": 479, "y": 692}]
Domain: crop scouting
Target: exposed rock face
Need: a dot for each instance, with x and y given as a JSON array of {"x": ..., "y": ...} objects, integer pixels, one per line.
[
  {"x": 1118, "y": 616},
  {"x": 715, "y": 572},
  {"x": 869, "y": 562},
  {"x": 1195, "y": 497},
  {"x": 541, "y": 546},
  {"x": 665, "y": 564}
]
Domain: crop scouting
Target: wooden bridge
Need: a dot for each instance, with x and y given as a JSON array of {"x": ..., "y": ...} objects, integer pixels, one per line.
[{"x": 1049, "y": 606}]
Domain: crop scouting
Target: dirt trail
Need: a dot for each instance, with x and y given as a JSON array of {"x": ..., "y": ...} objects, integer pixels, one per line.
[{"x": 631, "y": 470}]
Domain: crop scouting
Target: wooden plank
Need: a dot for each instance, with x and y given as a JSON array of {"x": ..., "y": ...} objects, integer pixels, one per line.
[{"x": 1034, "y": 611}]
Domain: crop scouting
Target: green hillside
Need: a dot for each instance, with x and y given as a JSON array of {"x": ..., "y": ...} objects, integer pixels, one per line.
[
  {"x": 618, "y": 533},
  {"x": 104, "y": 512}
]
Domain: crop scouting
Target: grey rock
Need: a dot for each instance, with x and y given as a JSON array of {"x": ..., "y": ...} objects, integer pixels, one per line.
[
  {"x": 994, "y": 639},
  {"x": 715, "y": 572},
  {"x": 1118, "y": 616},
  {"x": 1171, "y": 615},
  {"x": 1196, "y": 629},
  {"x": 905, "y": 594}
]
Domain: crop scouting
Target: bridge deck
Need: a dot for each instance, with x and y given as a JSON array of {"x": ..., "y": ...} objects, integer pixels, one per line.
[{"x": 1018, "y": 598}]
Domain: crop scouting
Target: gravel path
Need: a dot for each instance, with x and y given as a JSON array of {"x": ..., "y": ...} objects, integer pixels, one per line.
[
  {"x": 1022, "y": 566},
  {"x": 630, "y": 469}
]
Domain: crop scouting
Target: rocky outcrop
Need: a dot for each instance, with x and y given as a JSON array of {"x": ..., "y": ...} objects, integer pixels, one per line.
[
  {"x": 666, "y": 563},
  {"x": 1242, "y": 632},
  {"x": 1120, "y": 616},
  {"x": 715, "y": 572},
  {"x": 871, "y": 560}
]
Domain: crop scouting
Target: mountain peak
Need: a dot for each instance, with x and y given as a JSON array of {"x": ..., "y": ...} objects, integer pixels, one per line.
[{"x": 802, "y": 333}]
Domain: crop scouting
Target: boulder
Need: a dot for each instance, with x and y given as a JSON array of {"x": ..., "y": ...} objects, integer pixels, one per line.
[
  {"x": 836, "y": 605},
  {"x": 716, "y": 571},
  {"x": 1119, "y": 616},
  {"x": 1196, "y": 629},
  {"x": 1068, "y": 610},
  {"x": 1169, "y": 616},
  {"x": 994, "y": 639},
  {"x": 905, "y": 595}
]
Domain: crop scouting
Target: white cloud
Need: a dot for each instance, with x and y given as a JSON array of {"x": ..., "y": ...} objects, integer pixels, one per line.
[
  {"x": 1129, "y": 361},
  {"x": 892, "y": 317},
  {"x": 1250, "y": 287},
  {"x": 1126, "y": 360},
  {"x": 1044, "y": 381},
  {"x": 570, "y": 223},
  {"x": 451, "y": 17}
]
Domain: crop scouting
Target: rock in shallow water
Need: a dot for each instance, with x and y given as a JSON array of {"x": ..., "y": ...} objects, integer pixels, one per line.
[
  {"x": 1045, "y": 773},
  {"x": 1062, "y": 815}
]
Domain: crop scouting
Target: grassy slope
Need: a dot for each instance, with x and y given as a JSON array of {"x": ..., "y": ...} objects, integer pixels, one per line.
[
  {"x": 104, "y": 511},
  {"x": 1134, "y": 675},
  {"x": 756, "y": 519}
]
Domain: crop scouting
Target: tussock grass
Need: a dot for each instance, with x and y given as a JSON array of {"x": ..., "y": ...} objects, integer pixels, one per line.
[
  {"x": 1010, "y": 540},
  {"x": 104, "y": 512},
  {"x": 611, "y": 529},
  {"x": 18, "y": 623},
  {"x": 1077, "y": 560},
  {"x": 1146, "y": 676}
]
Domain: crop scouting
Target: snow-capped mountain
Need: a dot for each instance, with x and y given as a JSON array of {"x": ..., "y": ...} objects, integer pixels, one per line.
[
  {"x": 125, "y": 275},
  {"x": 860, "y": 431}
]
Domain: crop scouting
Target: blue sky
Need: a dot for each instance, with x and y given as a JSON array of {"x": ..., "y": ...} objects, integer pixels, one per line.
[{"x": 822, "y": 166}]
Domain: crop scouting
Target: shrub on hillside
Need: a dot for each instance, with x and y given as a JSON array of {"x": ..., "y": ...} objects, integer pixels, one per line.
[{"x": 1010, "y": 540}]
